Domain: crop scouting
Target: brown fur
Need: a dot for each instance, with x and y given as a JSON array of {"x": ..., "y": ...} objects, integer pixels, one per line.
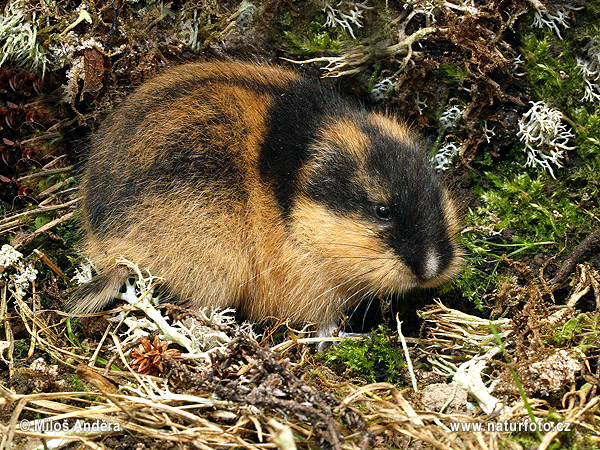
[{"x": 215, "y": 248}]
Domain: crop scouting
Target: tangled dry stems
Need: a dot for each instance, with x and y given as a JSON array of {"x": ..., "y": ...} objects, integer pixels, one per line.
[{"x": 251, "y": 396}]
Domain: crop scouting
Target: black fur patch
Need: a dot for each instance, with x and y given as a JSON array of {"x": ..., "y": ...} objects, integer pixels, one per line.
[
  {"x": 192, "y": 158},
  {"x": 417, "y": 224},
  {"x": 108, "y": 197},
  {"x": 188, "y": 159},
  {"x": 296, "y": 115}
]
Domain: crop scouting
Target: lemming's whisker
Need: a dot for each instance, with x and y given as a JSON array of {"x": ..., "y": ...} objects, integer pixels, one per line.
[
  {"x": 259, "y": 274},
  {"x": 356, "y": 277},
  {"x": 358, "y": 292},
  {"x": 353, "y": 245},
  {"x": 281, "y": 264},
  {"x": 362, "y": 257},
  {"x": 366, "y": 311}
]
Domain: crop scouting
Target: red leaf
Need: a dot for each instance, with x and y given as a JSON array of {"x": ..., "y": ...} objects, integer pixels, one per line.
[{"x": 8, "y": 141}]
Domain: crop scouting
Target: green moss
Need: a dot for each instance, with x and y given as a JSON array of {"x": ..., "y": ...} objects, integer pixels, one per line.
[
  {"x": 522, "y": 213},
  {"x": 21, "y": 349},
  {"x": 77, "y": 384},
  {"x": 582, "y": 332},
  {"x": 552, "y": 70},
  {"x": 306, "y": 34},
  {"x": 553, "y": 73},
  {"x": 373, "y": 358}
]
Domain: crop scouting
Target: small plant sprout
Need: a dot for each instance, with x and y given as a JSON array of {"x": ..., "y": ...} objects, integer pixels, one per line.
[
  {"x": 21, "y": 276},
  {"x": 552, "y": 19},
  {"x": 545, "y": 136},
  {"x": 443, "y": 158},
  {"x": 346, "y": 15}
]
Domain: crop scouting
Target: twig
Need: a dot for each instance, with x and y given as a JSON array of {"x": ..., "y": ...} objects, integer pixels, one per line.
[
  {"x": 43, "y": 229},
  {"x": 588, "y": 245},
  {"x": 43, "y": 173},
  {"x": 56, "y": 187},
  {"x": 10, "y": 220},
  {"x": 40, "y": 138},
  {"x": 49, "y": 263}
]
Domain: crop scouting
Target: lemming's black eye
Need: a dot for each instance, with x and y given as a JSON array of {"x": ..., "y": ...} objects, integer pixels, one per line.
[{"x": 382, "y": 212}]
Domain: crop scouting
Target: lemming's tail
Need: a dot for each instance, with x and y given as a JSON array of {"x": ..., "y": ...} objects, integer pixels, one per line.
[{"x": 96, "y": 294}]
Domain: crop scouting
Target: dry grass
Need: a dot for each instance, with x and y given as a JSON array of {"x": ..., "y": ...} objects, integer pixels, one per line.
[{"x": 235, "y": 393}]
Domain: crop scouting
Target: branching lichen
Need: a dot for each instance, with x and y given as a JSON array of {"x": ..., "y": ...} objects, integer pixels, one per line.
[
  {"x": 590, "y": 71},
  {"x": 383, "y": 89},
  {"x": 451, "y": 115},
  {"x": 445, "y": 156},
  {"x": 545, "y": 136},
  {"x": 21, "y": 276},
  {"x": 346, "y": 15},
  {"x": 552, "y": 18}
]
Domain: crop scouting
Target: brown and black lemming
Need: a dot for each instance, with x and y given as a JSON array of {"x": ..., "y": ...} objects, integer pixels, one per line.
[{"x": 250, "y": 186}]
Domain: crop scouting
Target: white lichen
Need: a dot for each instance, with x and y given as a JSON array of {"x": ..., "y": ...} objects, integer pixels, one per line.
[
  {"x": 552, "y": 19},
  {"x": 519, "y": 64},
  {"x": 22, "y": 281},
  {"x": 245, "y": 14},
  {"x": 383, "y": 89},
  {"x": 83, "y": 273},
  {"x": 468, "y": 376},
  {"x": 590, "y": 71},
  {"x": 9, "y": 257},
  {"x": 428, "y": 7},
  {"x": 444, "y": 157},
  {"x": 545, "y": 136},
  {"x": 346, "y": 15},
  {"x": 189, "y": 32},
  {"x": 67, "y": 52},
  {"x": 421, "y": 104},
  {"x": 451, "y": 116},
  {"x": 20, "y": 276},
  {"x": 488, "y": 132},
  {"x": 199, "y": 339}
]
